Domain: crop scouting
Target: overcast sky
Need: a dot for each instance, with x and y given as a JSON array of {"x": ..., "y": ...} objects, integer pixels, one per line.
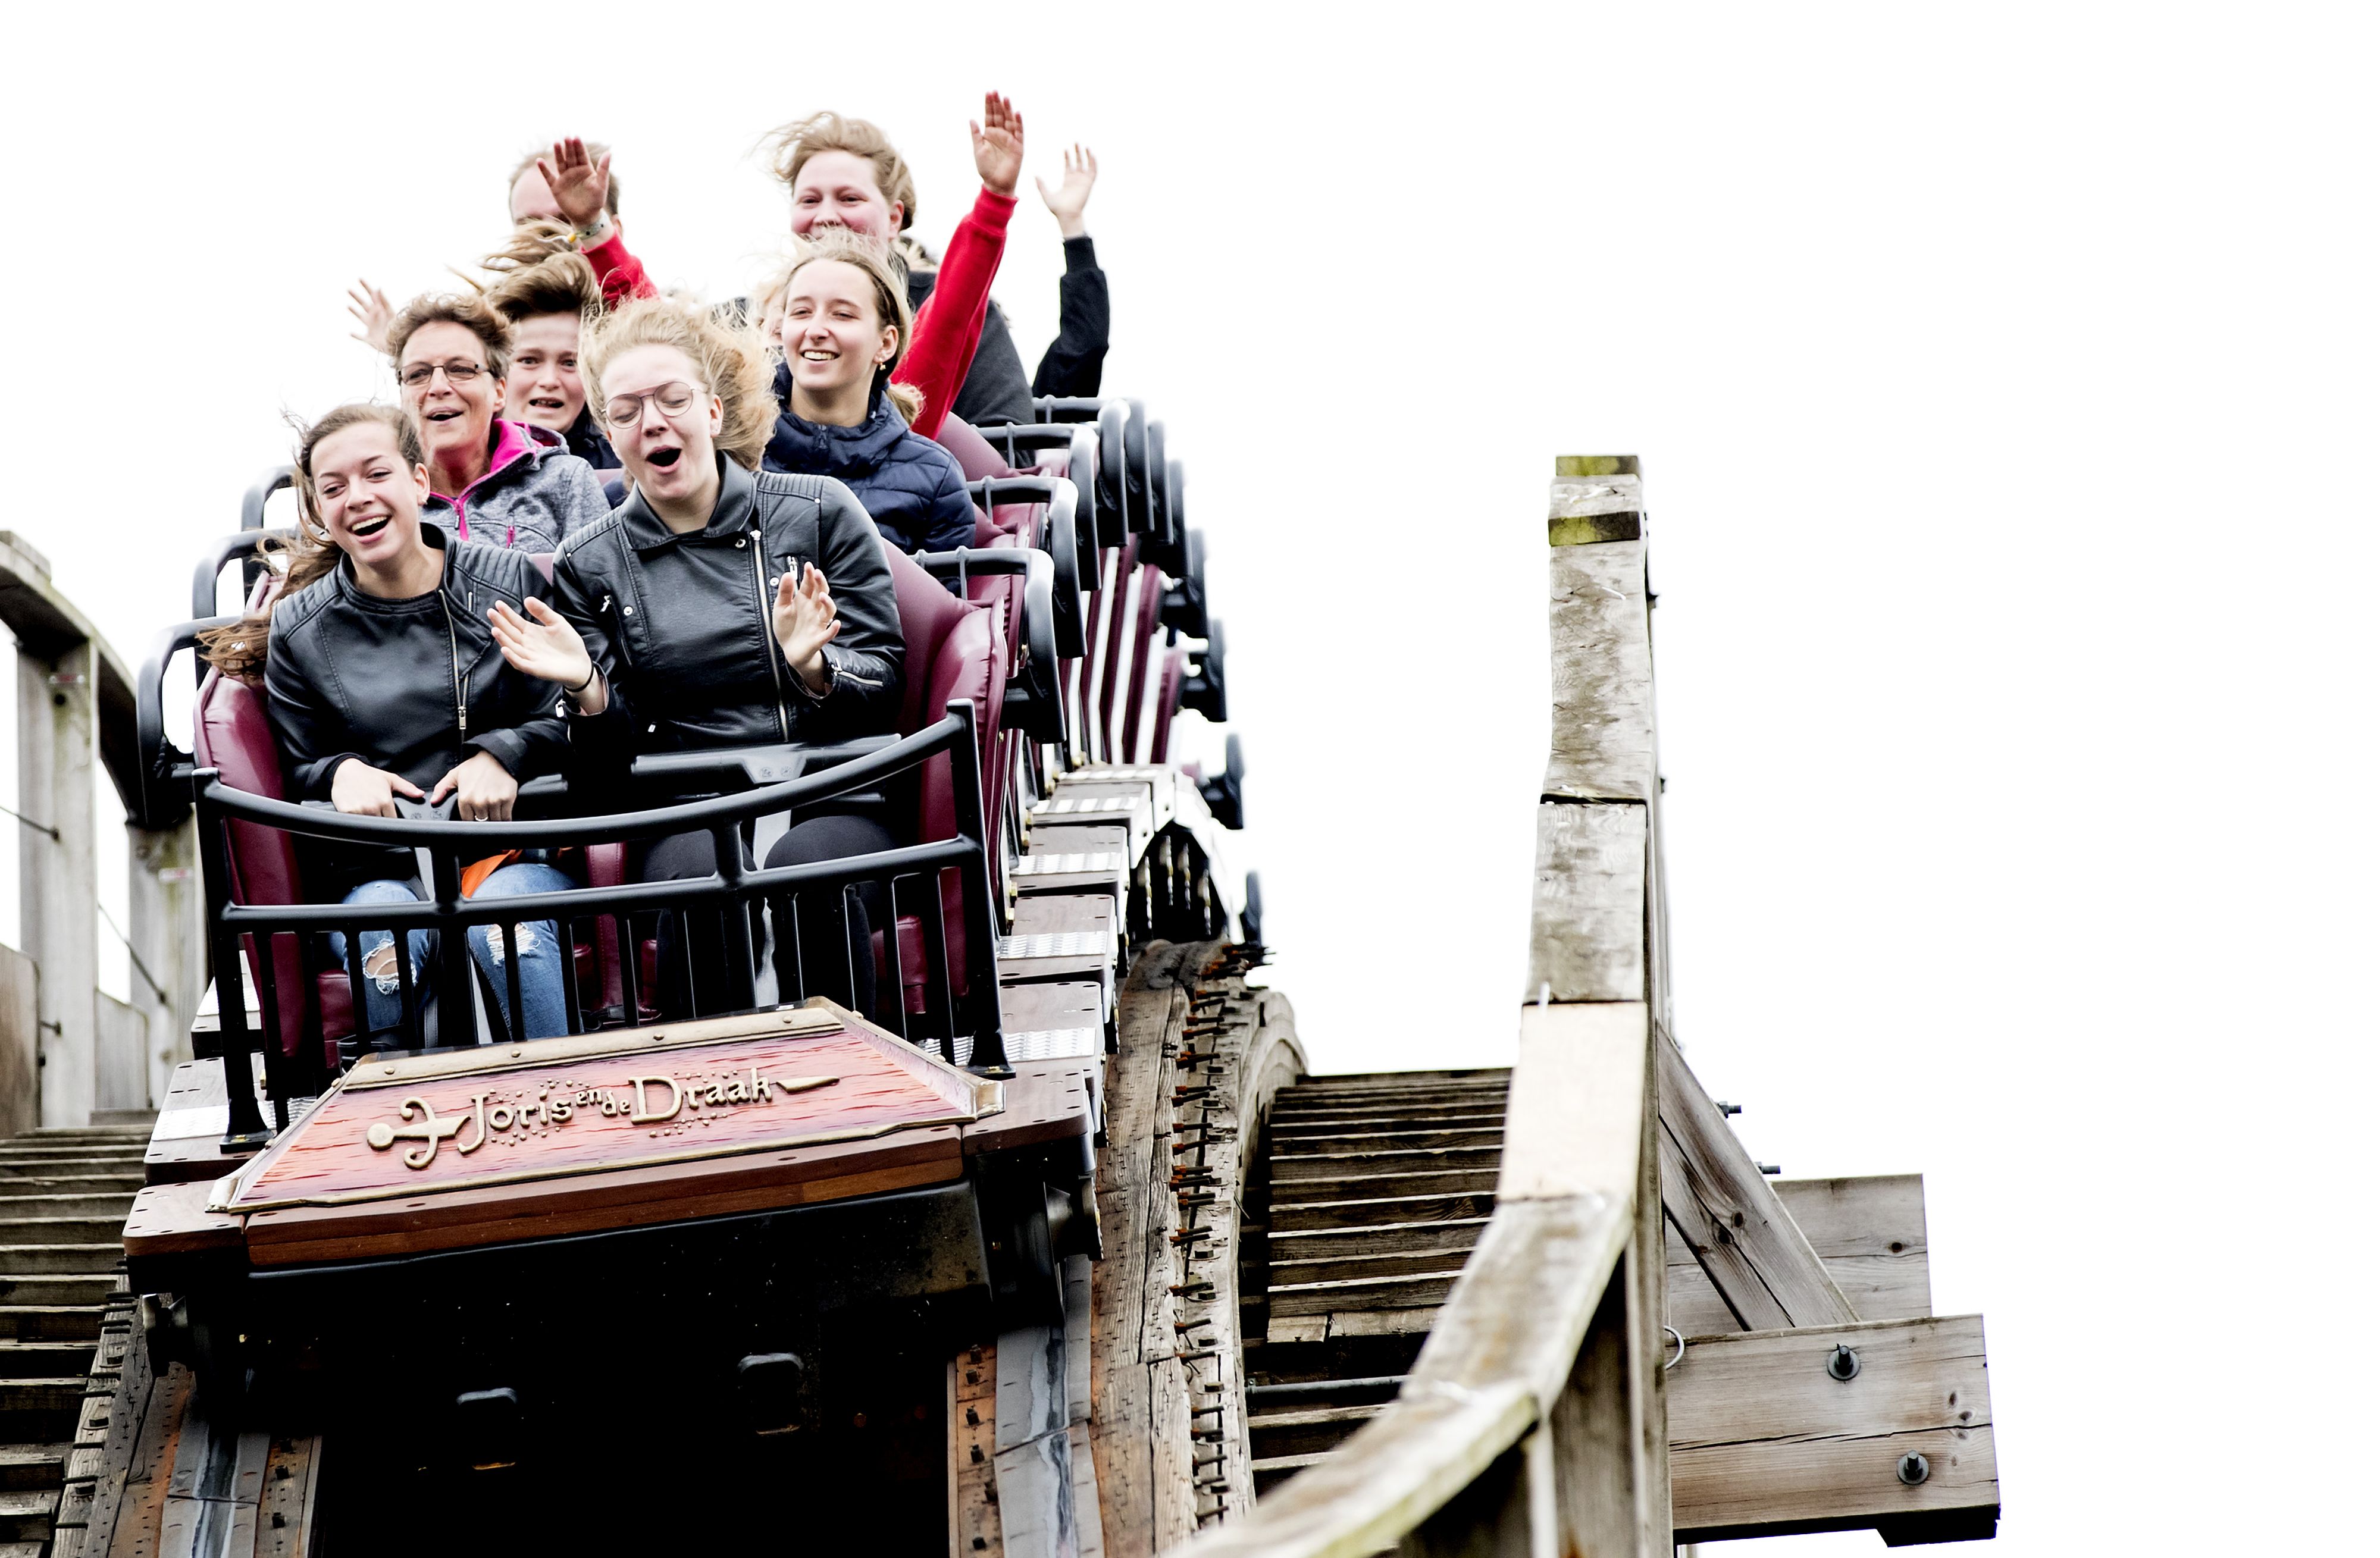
[{"x": 2002, "y": 378}]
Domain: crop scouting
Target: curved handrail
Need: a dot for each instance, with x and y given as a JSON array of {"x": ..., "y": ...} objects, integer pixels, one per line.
[
  {"x": 1059, "y": 539},
  {"x": 1040, "y": 701},
  {"x": 1082, "y": 470},
  {"x": 221, "y": 551},
  {"x": 251, "y": 507},
  {"x": 686, "y": 817}
]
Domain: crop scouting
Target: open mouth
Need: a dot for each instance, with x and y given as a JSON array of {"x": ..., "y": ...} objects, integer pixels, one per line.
[
  {"x": 811, "y": 354},
  {"x": 370, "y": 527},
  {"x": 662, "y": 459},
  {"x": 546, "y": 403},
  {"x": 441, "y": 416}
]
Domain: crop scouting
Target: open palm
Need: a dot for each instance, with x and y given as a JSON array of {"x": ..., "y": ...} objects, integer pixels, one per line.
[{"x": 999, "y": 143}]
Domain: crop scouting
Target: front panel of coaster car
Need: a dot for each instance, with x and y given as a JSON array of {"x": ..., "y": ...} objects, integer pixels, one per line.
[{"x": 726, "y": 1275}]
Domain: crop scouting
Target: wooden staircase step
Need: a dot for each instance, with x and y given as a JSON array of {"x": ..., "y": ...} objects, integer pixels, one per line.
[
  {"x": 50, "y": 1323},
  {"x": 1293, "y": 1216},
  {"x": 1447, "y": 1258},
  {"x": 23, "y": 1256},
  {"x": 1373, "y": 1239},
  {"x": 1396, "y": 1135},
  {"x": 59, "y": 1287},
  {"x": 21, "y": 1360},
  {"x": 1290, "y": 1168},
  {"x": 1404, "y": 1291},
  {"x": 1376, "y": 1187},
  {"x": 100, "y": 1207}
]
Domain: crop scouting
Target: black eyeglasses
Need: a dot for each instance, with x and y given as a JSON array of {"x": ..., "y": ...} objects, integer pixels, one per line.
[
  {"x": 624, "y": 411},
  {"x": 457, "y": 373}
]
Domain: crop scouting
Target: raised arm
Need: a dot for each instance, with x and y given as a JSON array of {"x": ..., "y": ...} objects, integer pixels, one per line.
[
  {"x": 1072, "y": 366},
  {"x": 582, "y": 188},
  {"x": 944, "y": 344}
]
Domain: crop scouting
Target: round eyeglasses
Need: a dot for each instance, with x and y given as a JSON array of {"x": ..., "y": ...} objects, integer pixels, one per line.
[{"x": 624, "y": 411}]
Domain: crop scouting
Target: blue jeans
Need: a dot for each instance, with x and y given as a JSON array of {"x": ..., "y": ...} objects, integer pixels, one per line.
[{"x": 543, "y": 961}]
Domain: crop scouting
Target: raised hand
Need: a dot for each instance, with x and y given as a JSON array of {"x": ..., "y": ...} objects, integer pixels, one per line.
[
  {"x": 543, "y": 645},
  {"x": 806, "y": 624},
  {"x": 484, "y": 789},
  {"x": 361, "y": 789},
  {"x": 999, "y": 144},
  {"x": 1073, "y": 192},
  {"x": 373, "y": 314},
  {"x": 580, "y": 185}
]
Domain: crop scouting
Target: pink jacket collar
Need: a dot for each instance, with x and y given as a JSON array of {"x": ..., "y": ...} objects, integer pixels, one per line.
[{"x": 515, "y": 441}]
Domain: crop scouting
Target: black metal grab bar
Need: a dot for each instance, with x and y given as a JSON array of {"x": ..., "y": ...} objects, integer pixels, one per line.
[{"x": 733, "y": 892}]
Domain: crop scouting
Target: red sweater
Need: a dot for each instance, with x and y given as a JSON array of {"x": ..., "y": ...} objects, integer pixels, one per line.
[
  {"x": 941, "y": 346},
  {"x": 621, "y": 273}
]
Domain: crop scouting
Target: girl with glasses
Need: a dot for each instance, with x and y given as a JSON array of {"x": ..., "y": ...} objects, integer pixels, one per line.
[
  {"x": 720, "y": 606},
  {"x": 505, "y": 483}
]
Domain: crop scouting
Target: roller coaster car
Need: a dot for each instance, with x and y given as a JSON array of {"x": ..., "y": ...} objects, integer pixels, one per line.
[{"x": 444, "y": 1245}]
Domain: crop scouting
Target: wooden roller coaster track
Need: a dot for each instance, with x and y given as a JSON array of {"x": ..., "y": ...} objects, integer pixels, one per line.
[{"x": 1550, "y": 1309}]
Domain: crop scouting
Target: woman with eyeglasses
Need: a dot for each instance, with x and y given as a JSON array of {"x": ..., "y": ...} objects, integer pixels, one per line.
[
  {"x": 720, "y": 606},
  {"x": 382, "y": 679},
  {"x": 504, "y": 483}
]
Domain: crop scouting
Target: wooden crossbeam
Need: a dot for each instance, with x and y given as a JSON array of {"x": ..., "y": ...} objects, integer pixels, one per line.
[
  {"x": 1870, "y": 1231},
  {"x": 1766, "y": 1441},
  {"x": 1724, "y": 1208}
]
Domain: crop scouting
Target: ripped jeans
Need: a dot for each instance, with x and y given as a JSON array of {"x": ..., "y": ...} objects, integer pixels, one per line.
[{"x": 541, "y": 960}]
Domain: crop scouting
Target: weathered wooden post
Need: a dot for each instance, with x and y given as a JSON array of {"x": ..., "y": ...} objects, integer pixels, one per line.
[
  {"x": 167, "y": 939},
  {"x": 57, "y": 752},
  {"x": 75, "y": 730}
]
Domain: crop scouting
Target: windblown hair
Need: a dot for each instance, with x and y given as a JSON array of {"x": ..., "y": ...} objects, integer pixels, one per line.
[
  {"x": 892, "y": 302},
  {"x": 596, "y": 153},
  {"x": 734, "y": 363},
  {"x": 472, "y": 313},
  {"x": 791, "y": 146},
  {"x": 539, "y": 273},
  {"x": 238, "y": 650}
]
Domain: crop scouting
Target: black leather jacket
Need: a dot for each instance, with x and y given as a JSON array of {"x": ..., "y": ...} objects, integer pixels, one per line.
[
  {"x": 680, "y": 624},
  {"x": 411, "y": 686}
]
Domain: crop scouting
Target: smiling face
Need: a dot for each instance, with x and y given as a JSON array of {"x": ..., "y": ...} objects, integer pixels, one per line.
[
  {"x": 368, "y": 498},
  {"x": 544, "y": 386},
  {"x": 831, "y": 335},
  {"x": 453, "y": 415},
  {"x": 838, "y": 190},
  {"x": 668, "y": 454}
]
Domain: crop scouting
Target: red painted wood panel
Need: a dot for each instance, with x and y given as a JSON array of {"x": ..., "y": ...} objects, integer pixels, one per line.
[{"x": 582, "y": 1116}]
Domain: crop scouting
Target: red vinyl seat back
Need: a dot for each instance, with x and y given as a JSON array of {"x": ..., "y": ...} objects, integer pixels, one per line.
[
  {"x": 953, "y": 649},
  {"x": 974, "y": 452}
]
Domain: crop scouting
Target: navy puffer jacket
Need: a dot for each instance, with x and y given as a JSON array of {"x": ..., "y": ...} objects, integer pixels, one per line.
[{"x": 910, "y": 485}]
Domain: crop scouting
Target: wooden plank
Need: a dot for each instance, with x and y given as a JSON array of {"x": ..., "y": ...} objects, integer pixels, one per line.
[
  {"x": 1730, "y": 1217},
  {"x": 974, "y": 1500},
  {"x": 1766, "y": 1442},
  {"x": 173, "y": 1219},
  {"x": 1140, "y": 1423},
  {"x": 1046, "y": 1100},
  {"x": 1869, "y": 1231},
  {"x": 628, "y": 1198},
  {"x": 293, "y": 1475},
  {"x": 1054, "y": 1006},
  {"x": 1577, "y": 1103},
  {"x": 1586, "y": 928},
  {"x": 186, "y": 1143},
  {"x": 1602, "y": 747}
]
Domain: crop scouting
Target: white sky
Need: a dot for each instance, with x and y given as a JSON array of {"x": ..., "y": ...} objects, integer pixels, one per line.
[{"x": 2002, "y": 378}]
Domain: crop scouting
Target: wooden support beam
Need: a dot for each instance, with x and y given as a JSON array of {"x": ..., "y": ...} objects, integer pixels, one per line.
[
  {"x": 1869, "y": 1232},
  {"x": 1724, "y": 1210},
  {"x": 1765, "y": 1440}
]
